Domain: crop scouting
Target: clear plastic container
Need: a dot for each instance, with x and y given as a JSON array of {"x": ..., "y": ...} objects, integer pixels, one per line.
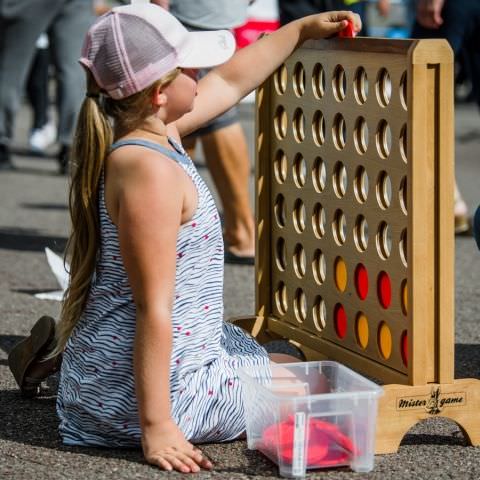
[{"x": 311, "y": 415}]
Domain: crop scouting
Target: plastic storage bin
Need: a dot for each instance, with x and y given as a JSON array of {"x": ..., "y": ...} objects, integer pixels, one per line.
[{"x": 311, "y": 415}]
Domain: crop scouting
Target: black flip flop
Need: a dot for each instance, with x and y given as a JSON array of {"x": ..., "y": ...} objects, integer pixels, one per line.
[{"x": 233, "y": 259}]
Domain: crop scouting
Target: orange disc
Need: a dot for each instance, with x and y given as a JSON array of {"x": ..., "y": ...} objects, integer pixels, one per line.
[
  {"x": 340, "y": 274},
  {"x": 385, "y": 340},
  {"x": 362, "y": 330},
  {"x": 404, "y": 297}
]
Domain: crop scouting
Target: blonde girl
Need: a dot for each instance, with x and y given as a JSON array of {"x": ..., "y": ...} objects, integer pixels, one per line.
[{"x": 147, "y": 357}]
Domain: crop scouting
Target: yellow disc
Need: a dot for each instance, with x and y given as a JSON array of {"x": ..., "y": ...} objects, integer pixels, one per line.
[
  {"x": 362, "y": 330},
  {"x": 340, "y": 274},
  {"x": 385, "y": 340},
  {"x": 404, "y": 297}
]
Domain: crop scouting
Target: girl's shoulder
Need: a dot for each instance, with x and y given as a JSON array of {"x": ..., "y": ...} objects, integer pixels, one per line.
[{"x": 134, "y": 158}]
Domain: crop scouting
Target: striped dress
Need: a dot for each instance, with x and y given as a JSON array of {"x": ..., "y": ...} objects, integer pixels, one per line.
[{"x": 96, "y": 399}]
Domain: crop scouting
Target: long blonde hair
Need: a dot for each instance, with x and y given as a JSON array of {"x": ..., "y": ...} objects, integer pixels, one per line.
[{"x": 93, "y": 137}]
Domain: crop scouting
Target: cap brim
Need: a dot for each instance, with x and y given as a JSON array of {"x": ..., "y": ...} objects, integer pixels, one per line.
[{"x": 207, "y": 49}]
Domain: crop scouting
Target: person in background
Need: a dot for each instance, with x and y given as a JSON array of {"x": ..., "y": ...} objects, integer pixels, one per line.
[
  {"x": 223, "y": 140},
  {"x": 360, "y": 7},
  {"x": 459, "y": 22},
  {"x": 21, "y": 23},
  {"x": 44, "y": 130},
  {"x": 294, "y": 9}
]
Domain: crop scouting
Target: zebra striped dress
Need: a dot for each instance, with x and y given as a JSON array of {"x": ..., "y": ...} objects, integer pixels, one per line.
[{"x": 96, "y": 399}]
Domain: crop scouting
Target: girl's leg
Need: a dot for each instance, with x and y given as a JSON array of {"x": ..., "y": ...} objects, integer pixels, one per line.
[
  {"x": 283, "y": 358},
  {"x": 310, "y": 383},
  {"x": 37, "y": 87}
]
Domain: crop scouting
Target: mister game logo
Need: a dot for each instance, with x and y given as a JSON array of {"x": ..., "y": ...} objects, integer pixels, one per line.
[{"x": 433, "y": 403}]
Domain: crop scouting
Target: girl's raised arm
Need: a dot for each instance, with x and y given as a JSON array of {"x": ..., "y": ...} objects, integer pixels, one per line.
[{"x": 225, "y": 85}]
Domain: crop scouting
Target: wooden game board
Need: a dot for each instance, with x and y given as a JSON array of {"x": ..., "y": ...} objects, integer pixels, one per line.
[{"x": 355, "y": 240}]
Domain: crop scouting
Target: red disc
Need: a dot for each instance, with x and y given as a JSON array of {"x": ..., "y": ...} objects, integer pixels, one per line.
[
  {"x": 361, "y": 281},
  {"x": 404, "y": 348},
  {"x": 384, "y": 290},
  {"x": 340, "y": 320},
  {"x": 348, "y": 31}
]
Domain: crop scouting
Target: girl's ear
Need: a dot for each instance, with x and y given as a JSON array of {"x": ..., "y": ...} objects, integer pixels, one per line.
[{"x": 159, "y": 99}]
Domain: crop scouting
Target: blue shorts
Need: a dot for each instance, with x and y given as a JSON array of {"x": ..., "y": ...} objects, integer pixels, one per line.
[{"x": 224, "y": 120}]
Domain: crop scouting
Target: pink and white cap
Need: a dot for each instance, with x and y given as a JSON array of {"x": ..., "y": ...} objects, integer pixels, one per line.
[{"x": 132, "y": 46}]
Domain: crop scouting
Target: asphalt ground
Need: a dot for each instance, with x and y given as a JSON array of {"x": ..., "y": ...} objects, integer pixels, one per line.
[{"x": 33, "y": 215}]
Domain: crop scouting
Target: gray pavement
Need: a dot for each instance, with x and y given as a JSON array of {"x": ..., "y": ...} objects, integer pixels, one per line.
[{"x": 33, "y": 215}]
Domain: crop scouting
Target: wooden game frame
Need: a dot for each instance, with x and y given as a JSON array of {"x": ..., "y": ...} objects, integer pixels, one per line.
[{"x": 419, "y": 108}]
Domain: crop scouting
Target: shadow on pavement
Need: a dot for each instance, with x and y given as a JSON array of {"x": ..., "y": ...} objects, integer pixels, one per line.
[
  {"x": 467, "y": 360},
  {"x": 34, "y": 422},
  {"x": 8, "y": 341},
  {"x": 25, "y": 239},
  {"x": 44, "y": 206}
]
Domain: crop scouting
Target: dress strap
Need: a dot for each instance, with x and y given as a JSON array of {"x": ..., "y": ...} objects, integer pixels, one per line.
[{"x": 178, "y": 154}]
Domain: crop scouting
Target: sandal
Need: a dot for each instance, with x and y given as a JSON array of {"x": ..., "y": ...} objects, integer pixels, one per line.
[{"x": 25, "y": 358}]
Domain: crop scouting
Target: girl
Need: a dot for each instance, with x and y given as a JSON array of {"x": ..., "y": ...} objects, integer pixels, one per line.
[{"x": 147, "y": 357}]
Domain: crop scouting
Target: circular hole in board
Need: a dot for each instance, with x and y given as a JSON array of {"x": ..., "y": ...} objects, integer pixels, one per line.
[
  {"x": 280, "y": 210},
  {"x": 360, "y": 85},
  {"x": 280, "y": 122},
  {"x": 280, "y": 79},
  {"x": 280, "y": 166},
  {"x": 403, "y": 91},
  {"x": 339, "y": 131},
  {"x": 384, "y": 139},
  {"x": 360, "y": 233},
  {"x": 384, "y": 241},
  {"x": 319, "y": 174},
  {"x": 319, "y": 267},
  {"x": 340, "y": 180},
  {"x": 281, "y": 254},
  {"x": 318, "y": 81},
  {"x": 318, "y": 220},
  {"x": 339, "y": 227},
  {"x": 299, "y": 170},
  {"x": 299, "y": 125},
  {"x": 318, "y": 128},
  {"x": 299, "y": 79},
  {"x": 299, "y": 216},
  {"x": 300, "y": 305},
  {"x": 360, "y": 135},
  {"x": 339, "y": 83},
  {"x": 281, "y": 298},
  {"x": 384, "y": 87},
  {"x": 299, "y": 260},
  {"x": 361, "y": 185},
  {"x": 319, "y": 312},
  {"x": 384, "y": 190}
]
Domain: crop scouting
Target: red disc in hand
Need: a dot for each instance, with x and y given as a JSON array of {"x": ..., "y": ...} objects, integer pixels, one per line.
[{"x": 348, "y": 31}]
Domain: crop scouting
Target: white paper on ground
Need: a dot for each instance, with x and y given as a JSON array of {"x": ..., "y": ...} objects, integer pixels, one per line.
[{"x": 60, "y": 271}]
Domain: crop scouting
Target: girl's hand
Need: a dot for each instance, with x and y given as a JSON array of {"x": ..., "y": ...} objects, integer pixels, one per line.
[
  {"x": 327, "y": 24},
  {"x": 165, "y": 446}
]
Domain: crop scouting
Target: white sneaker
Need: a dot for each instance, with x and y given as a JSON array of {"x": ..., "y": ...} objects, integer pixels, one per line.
[{"x": 42, "y": 138}]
